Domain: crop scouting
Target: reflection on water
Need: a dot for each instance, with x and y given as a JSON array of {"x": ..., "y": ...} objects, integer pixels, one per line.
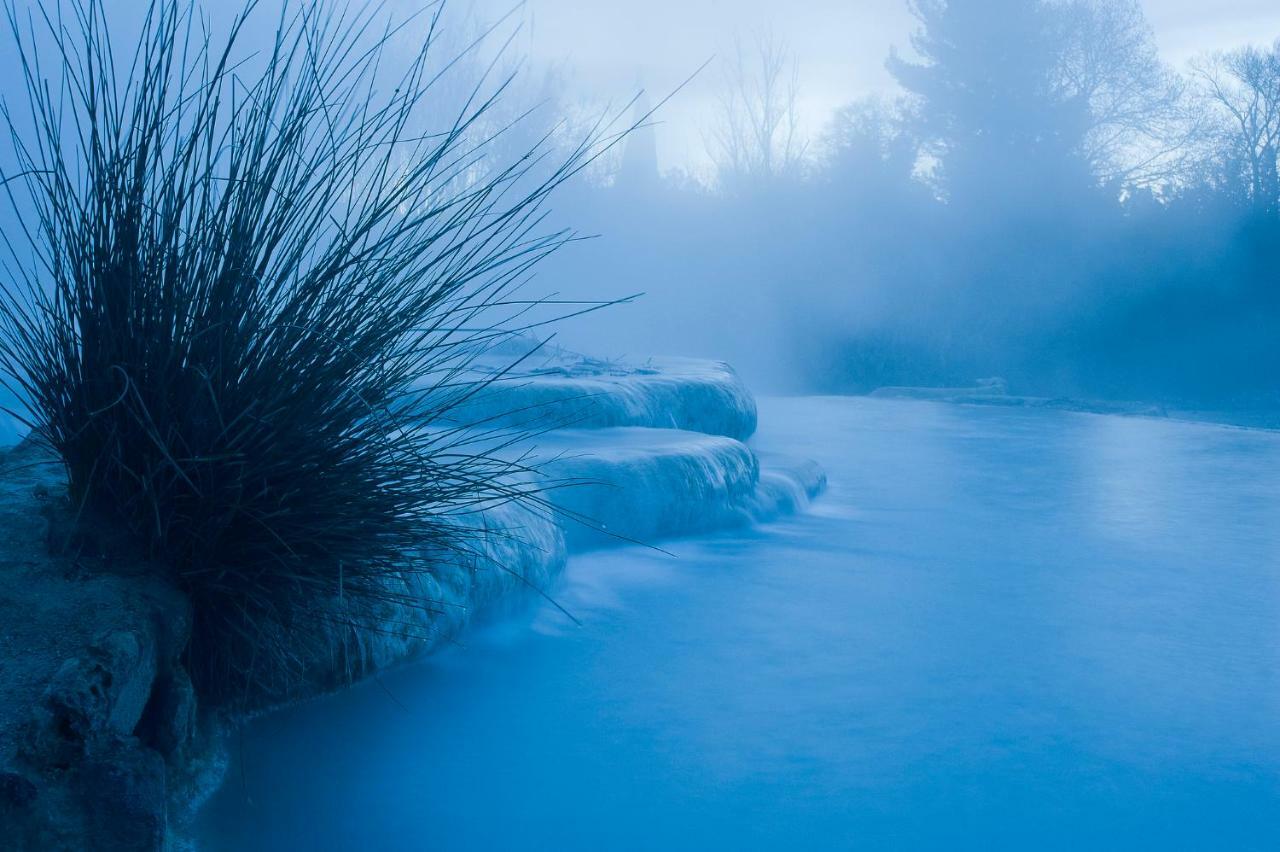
[{"x": 998, "y": 629}]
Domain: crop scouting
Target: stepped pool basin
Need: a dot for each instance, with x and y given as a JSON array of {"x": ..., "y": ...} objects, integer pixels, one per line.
[{"x": 999, "y": 628}]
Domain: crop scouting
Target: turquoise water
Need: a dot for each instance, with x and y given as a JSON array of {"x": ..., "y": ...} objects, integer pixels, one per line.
[{"x": 998, "y": 629}]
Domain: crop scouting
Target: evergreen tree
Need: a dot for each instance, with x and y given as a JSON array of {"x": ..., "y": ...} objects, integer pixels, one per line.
[{"x": 992, "y": 113}]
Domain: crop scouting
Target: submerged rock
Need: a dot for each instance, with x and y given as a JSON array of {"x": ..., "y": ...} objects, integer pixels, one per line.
[{"x": 995, "y": 392}]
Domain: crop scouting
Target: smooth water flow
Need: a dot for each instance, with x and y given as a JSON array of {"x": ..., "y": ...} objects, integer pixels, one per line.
[{"x": 999, "y": 628}]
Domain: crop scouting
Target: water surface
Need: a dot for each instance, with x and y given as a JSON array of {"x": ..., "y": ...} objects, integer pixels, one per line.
[{"x": 998, "y": 629}]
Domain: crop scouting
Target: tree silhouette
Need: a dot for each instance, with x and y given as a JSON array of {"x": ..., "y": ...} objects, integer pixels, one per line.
[{"x": 992, "y": 110}]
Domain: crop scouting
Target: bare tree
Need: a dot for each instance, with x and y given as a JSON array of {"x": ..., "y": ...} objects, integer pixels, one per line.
[
  {"x": 1240, "y": 91},
  {"x": 757, "y": 134},
  {"x": 1138, "y": 127}
]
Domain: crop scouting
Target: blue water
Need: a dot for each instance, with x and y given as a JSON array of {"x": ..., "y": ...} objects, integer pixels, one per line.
[{"x": 998, "y": 629}]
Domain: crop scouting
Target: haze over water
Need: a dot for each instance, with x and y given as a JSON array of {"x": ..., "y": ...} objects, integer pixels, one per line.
[{"x": 998, "y": 629}]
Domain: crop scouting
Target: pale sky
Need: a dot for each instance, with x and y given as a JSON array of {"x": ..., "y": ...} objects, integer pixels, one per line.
[{"x": 611, "y": 47}]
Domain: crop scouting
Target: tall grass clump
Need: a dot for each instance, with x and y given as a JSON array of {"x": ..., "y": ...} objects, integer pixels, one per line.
[{"x": 241, "y": 286}]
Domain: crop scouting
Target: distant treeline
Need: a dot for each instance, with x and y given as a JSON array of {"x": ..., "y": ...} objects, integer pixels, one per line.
[{"x": 1046, "y": 201}]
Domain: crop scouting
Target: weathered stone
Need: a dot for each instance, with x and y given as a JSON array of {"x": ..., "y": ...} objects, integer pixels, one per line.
[
  {"x": 123, "y": 790},
  {"x": 86, "y": 633},
  {"x": 97, "y": 695},
  {"x": 169, "y": 722},
  {"x": 16, "y": 790}
]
